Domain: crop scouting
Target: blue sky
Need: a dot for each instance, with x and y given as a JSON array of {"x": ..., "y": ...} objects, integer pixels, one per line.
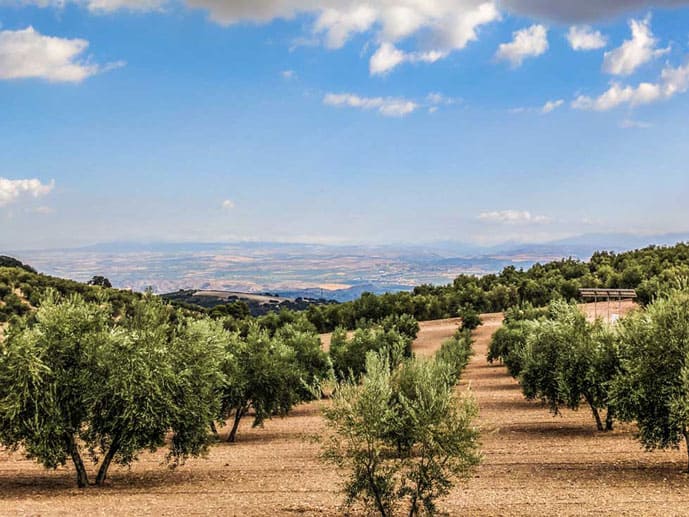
[{"x": 380, "y": 121}]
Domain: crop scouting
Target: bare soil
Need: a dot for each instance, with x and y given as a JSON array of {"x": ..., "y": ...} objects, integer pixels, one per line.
[{"x": 534, "y": 464}]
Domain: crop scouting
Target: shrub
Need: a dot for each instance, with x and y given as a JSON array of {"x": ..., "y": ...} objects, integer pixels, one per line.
[
  {"x": 456, "y": 352},
  {"x": 471, "y": 319},
  {"x": 349, "y": 355},
  {"x": 402, "y": 435}
]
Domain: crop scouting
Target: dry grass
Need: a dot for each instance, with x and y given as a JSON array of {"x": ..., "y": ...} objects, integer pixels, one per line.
[{"x": 534, "y": 464}]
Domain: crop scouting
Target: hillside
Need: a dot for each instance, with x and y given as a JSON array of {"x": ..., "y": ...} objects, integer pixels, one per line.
[
  {"x": 22, "y": 288},
  {"x": 256, "y": 304},
  {"x": 648, "y": 270}
]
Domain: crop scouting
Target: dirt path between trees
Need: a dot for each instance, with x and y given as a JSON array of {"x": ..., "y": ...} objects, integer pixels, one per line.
[
  {"x": 534, "y": 464},
  {"x": 537, "y": 464}
]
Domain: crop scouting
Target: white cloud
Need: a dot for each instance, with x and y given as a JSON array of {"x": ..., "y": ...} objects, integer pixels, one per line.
[
  {"x": 442, "y": 26},
  {"x": 446, "y": 25},
  {"x": 228, "y": 204},
  {"x": 131, "y": 5},
  {"x": 551, "y": 106},
  {"x": 634, "y": 124},
  {"x": 547, "y": 108},
  {"x": 583, "y": 37},
  {"x": 13, "y": 190},
  {"x": 436, "y": 99},
  {"x": 387, "y": 106},
  {"x": 672, "y": 81},
  {"x": 634, "y": 52},
  {"x": 529, "y": 42},
  {"x": 26, "y": 54},
  {"x": 288, "y": 74},
  {"x": 512, "y": 217},
  {"x": 104, "y": 6},
  {"x": 388, "y": 57},
  {"x": 404, "y": 14}
]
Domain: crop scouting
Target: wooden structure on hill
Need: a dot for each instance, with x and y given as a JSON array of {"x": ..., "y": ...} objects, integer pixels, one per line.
[{"x": 607, "y": 295}]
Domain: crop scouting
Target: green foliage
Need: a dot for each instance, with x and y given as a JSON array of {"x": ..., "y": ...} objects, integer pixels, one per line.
[
  {"x": 312, "y": 363},
  {"x": 524, "y": 312},
  {"x": 73, "y": 375},
  {"x": 263, "y": 373},
  {"x": 14, "y": 263},
  {"x": 402, "y": 435},
  {"x": 561, "y": 359},
  {"x": 100, "y": 281},
  {"x": 405, "y": 324},
  {"x": 349, "y": 355},
  {"x": 654, "y": 387},
  {"x": 650, "y": 270},
  {"x": 456, "y": 352},
  {"x": 508, "y": 343},
  {"x": 471, "y": 319},
  {"x": 24, "y": 289}
]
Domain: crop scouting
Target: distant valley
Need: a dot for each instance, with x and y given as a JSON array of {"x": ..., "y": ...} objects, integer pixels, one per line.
[{"x": 313, "y": 271}]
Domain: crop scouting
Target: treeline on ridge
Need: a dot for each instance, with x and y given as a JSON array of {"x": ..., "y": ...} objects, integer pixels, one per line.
[{"x": 649, "y": 271}]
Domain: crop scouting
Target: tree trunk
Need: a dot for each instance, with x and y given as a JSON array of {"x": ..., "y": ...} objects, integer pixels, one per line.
[
  {"x": 376, "y": 494},
  {"x": 237, "y": 417},
  {"x": 214, "y": 429},
  {"x": 609, "y": 419},
  {"x": 685, "y": 432},
  {"x": 596, "y": 415},
  {"x": 82, "y": 476},
  {"x": 103, "y": 470}
]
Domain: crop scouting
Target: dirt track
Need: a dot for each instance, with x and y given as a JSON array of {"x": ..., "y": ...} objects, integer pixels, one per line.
[{"x": 534, "y": 464}]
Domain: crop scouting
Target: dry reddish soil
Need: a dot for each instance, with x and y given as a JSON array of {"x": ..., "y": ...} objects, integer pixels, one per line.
[{"x": 534, "y": 464}]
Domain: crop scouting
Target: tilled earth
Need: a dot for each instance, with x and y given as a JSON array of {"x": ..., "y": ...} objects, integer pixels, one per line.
[{"x": 534, "y": 464}]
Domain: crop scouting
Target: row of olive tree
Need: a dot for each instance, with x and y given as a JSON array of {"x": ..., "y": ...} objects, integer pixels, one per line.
[
  {"x": 78, "y": 378},
  {"x": 401, "y": 432},
  {"x": 636, "y": 370},
  {"x": 560, "y": 358}
]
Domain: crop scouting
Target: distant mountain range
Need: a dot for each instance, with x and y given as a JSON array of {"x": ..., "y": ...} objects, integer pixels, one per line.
[{"x": 582, "y": 246}]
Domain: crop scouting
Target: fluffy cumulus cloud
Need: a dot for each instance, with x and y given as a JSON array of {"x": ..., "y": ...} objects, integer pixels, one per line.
[
  {"x": 404, "y": 15},
  {"x": 529, "y": 42},
  {"x": 446, "y": 25},
  {"x": 577, "y": 11},
  {"x": 387, "y": 106},
  {"x": 26, "y": 54},
  {"x": 634, "y": 52},
  {"x": 512, "y": 217},
  {"x": 672, "y": 81},
  {"x": 13, "y": 190},
  {"x": 228, "y": 204},
  {"x": 583, "y": 37}
]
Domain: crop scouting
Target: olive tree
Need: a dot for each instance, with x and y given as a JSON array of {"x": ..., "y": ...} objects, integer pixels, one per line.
[
  {"x": 653, "y": 388},
  {"x": 348, "y": 355},
  {"x": 74, "y": 380},
  {"x": 402, "y": 435},
  {"x": 262, "y": 374},
  {"x": 567, "y": 361}
]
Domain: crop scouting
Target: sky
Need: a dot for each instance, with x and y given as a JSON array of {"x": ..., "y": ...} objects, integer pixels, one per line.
[{"x": 346, "y": 121}]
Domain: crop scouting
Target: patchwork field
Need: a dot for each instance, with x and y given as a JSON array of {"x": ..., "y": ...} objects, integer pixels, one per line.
[{"x": 534, "y": 464}]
